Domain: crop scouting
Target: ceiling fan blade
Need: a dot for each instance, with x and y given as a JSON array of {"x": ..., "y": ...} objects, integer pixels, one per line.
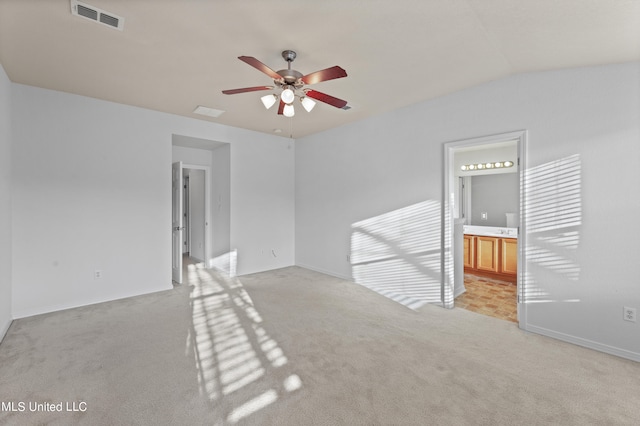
[
  {"x": 260, "y": 66},
  {"x": 281, "y": 107},
  {"x": 246, "y": 89},
  {"x": 327, "y": 99},
  {"x": 324, "y": 75}
]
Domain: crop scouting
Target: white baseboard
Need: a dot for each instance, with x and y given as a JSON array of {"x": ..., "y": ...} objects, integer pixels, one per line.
[
  {"x": 459, "y": 292},
  {"x": 4, "y": 328},
  {"x": 322, "y": 271},
  {"x": 30, "y": 312},
  {"x": 611, "y": 350}
]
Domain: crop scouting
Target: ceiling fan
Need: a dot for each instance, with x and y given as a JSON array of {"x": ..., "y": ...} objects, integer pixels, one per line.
[{"x": 292, "y": 83}]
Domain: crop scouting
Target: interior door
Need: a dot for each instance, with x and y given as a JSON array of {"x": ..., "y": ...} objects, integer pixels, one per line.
[{"x": 176, "y": 222}]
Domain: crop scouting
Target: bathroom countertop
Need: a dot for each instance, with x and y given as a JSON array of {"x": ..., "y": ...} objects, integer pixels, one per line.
[{"x": 491, "y": 231}]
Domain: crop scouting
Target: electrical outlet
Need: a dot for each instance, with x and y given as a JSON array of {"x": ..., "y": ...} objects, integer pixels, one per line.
[
  {"x": 348, "y": 258},
  {"x": 97, "y": 274},
  {"x": 484, "y": 216},
  {"x": 629, "y": 314}
]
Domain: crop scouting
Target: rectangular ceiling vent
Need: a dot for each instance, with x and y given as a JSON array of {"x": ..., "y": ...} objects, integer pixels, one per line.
[{"x": 96, "y": 15}]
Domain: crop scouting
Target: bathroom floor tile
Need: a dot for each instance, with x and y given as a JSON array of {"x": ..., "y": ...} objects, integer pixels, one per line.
[{"x": 489, "y": 297}]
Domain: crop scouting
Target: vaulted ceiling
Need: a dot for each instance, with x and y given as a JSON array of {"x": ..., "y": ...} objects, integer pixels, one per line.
[{"x": 172, "y": 55}]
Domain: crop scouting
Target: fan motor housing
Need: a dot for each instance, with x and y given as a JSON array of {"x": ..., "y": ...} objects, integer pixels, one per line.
[{"x": 290, "y": 77}]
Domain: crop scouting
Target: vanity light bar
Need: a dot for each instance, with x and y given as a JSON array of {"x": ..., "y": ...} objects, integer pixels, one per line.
[{"x": 484, "y": 166}]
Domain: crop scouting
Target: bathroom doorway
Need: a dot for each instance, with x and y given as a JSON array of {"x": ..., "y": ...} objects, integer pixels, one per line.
[{"x": 484, "y": 225}]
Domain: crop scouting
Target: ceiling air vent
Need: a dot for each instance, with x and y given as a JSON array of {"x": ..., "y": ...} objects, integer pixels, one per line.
[
  {"x": 86, "y": 12},
  {"x": 96, "y": 15}
]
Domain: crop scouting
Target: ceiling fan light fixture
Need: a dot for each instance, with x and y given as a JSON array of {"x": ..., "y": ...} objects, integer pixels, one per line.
[
  {"x": 287, "y": 96},
  {"x": 290, "y": 84},
  {"x": 269, "y": 100},
  {"x": 307, "y": 103},
  {"x": 288, "y": 111}
]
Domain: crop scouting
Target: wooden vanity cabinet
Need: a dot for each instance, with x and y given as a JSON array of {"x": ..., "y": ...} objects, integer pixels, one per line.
[
  {"x": 469, "y": 251},
  {"x": 509, "y": 256},
  {"x": 487, "y": 254},
  {"x": 491, "y": 256}
]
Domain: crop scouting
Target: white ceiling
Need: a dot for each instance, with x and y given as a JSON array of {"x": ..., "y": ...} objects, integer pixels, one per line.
[{"x": 174, "y": 55}]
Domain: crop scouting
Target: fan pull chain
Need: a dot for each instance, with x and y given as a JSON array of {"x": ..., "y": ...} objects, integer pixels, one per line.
[{"x": 291, "y": 128}]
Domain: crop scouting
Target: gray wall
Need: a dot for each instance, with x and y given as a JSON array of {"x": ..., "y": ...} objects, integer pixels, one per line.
[
  {"x": 495, "y": 195},
  {"x": 5, "y": 203},
  {"x": 220, "y": 200},
  {"x": 95, "y": 193},
  {"x": 577, "y": 270}
]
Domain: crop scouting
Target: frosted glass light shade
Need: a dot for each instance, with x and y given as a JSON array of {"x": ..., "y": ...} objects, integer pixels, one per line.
[
  {"x": 287, "y": 96},
  {"x": 307, "y": 103},
  {"x": 288, "y": 111},
  {"x": 268, "y": 100}
]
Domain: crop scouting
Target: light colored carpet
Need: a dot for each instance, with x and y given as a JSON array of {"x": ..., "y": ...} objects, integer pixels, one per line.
[{"x": 295, "y": 347}]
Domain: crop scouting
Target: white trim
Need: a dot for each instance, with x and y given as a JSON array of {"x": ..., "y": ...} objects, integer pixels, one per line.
[
  {"x": 448, "y": 214},
  {"x": 590, "y": 344},
  {"x": 4, "y": 329},
  {"x": 459, "y": 292},
  {"x": 522, "y": 231},
  {"x": 207, "y": 209},
  {"x": 322, "y": 271},
  {"x": 30, "y": 312}
]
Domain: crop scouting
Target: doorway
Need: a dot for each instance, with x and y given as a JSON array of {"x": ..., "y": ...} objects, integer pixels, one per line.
[
  {"x": 501, "y": 260},
  {"x": 194, "y": 214},
  {"x": 191, "y": 216}
]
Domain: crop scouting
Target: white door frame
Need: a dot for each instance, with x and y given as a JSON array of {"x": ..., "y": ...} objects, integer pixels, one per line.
[
  {"x": 176, "y": 222},
  {"x": 448, "y": 201},
  {"x": 207, "y": 209},
  {"x": 186, "y": 215}
]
